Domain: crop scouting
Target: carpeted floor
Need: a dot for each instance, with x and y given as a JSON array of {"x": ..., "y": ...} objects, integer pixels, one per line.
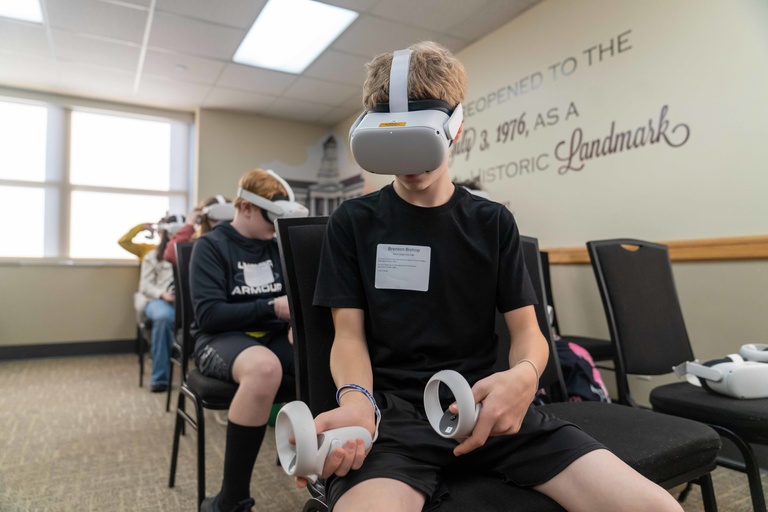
[{"x": 78, "y": 434}]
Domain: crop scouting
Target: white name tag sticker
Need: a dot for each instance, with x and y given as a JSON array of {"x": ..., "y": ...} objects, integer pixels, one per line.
[
  {"x": 258, "y": 274},
  {"x": 402, "y": 267}
]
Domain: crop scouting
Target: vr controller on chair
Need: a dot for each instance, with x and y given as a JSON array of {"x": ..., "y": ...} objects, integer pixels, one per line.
[
  {"x": 743, "y": 375},
  {"x": 404, "y": 137},
  {"x": 279, "y": 206},
  {"x": 307, "y": 456}
]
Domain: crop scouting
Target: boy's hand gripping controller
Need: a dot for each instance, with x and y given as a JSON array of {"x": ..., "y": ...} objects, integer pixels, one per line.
[
  {"x": 447, "y": 424},
  {"x": 307, "y": 456}
]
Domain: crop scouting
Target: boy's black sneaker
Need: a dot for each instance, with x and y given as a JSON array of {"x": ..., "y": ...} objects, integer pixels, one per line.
[{"x": 211, "y": 504}]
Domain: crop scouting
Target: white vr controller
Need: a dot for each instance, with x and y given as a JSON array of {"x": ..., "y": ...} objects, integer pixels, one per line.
[
  {"x": 306, "y": 457},
  {"x": 743, "y": 375},
  {"x": 444, "y": 422}
]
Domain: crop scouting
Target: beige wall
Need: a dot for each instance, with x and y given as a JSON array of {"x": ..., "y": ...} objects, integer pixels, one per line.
[
  {"x": 230, "y": 143},
  {"x": 52, "y": 304}
]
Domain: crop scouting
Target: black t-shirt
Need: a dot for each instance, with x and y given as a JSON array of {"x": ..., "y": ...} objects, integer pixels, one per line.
[
  {"x": 232, "y": 281},
  {"x": 429, "y": 281}
]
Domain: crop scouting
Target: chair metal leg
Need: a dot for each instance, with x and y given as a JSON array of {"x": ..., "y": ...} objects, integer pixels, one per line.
[
  {"x": 176, "y": 434},
  {"x": 750, "y": 467},
  {"x": 140, "y": 348},
  {"x": 170, "y": 385},
  {"x": 707, "y": 493},
  {"x": 200, "y": 454}
]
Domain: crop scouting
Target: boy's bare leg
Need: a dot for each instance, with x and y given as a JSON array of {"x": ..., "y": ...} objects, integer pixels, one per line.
[
  {"x": 600, "y": 481},
  {"x": 381, "y": 494}
]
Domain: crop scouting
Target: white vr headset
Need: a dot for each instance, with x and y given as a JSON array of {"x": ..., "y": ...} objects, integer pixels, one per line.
[
  {"x": 733, "y": 375},
  {"x": 171, "y": 224},
  {"x": 221, "y": 210},
  {"x": 277, "y": 208},
  {"x": 404, "y": 137}
]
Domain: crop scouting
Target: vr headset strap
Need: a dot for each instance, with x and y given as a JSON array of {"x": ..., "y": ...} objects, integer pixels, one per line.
[
  {"x": 398, "y": 81},
  {"x": 699, "y": 370}
]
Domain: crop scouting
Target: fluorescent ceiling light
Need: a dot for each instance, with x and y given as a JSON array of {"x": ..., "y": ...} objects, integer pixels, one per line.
[
  {"x": 289, "y": 34},
  {"x": 25, "y": 10}
]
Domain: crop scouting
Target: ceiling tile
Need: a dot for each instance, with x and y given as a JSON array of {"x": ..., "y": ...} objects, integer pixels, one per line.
[
  {"x": 175, "y": 66},
  {"x": 98, "y": 18},
  {"x": 81, "y": 79},
  {"x": 257, "y": 80},
  {"x": 27, "y": 71},
  {"x": 490, "y": 17},
  {"x": 194, "y": 37},
  {"x": 322, "y": 92},
  {"x": 370, "y": 36},
  {"x": 339, "y": 67},
  {"x": 435, "y": 15},
  {"x": 173, "y": 94},
  {"x": 72, "y": 46},
  {"x": 353, "y": 5},
  {"x": 235, "y": 13},
  {"x": 231, "y": 99},
  {"x": 336, "y": 115},
  {"x": 296, "y": 110},
  {"x": 21, "y": 37}
]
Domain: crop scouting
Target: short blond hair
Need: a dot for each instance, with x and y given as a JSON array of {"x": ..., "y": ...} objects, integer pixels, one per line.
[
  {"x": 434, "y": 74},
  {"x": 261, "y": 183}
]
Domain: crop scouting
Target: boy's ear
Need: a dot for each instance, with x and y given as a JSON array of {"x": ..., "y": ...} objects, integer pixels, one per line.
[{"x": 458, "y": 134}]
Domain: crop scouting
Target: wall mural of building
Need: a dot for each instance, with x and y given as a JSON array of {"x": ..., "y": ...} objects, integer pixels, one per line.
[{"x": 323, "y": 196}]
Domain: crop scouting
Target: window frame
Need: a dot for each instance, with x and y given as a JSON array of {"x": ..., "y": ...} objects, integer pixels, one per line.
[{"x": 58, "y": 189}]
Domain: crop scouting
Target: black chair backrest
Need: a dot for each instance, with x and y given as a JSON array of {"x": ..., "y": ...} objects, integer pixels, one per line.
[
  {"x": 548, "y": 288},
  {"x": 183, "y": 258},
  {"x": 300, "y": 241},
  {"x": 641, "y": 307},
  {"x": 552, "y": 376}
]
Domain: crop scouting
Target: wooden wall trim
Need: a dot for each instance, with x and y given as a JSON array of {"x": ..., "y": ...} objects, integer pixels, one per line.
[{"x": 703, "y": 249}]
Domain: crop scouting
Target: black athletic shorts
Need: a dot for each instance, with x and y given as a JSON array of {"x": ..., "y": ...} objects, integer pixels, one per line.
[
  {"x": 408, "y": 450},
  {"x": 216, "y": 354}
]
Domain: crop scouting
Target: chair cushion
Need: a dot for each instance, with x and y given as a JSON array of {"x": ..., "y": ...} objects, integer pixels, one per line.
[
  {"x": 748, "y": 418},
  {"x": 213, "y": 393},
  {"x": 665, "y": 449},
  {"x": 600, "y": 350},
  {"x": 490, "y": 494}
]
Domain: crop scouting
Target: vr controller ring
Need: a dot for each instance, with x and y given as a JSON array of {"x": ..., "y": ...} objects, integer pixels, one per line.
[
  {"x": 449, "y": 425},
  {"x": 295, "y": 419},
  {"x": 754, "y": 352}
]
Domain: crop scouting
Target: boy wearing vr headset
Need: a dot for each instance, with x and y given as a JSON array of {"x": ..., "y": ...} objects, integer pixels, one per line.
[
  {"x": 413, "y": 274},
  {"x": 241, "y": 326}
]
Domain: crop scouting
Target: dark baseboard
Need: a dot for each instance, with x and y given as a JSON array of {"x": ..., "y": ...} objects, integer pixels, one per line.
[{"x": 85, "y": 348}]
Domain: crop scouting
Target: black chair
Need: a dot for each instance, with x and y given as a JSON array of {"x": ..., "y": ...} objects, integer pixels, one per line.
[
  {"x": 300, "y": 241},
  {"x": 599, "y": 349},
  {"x": 666, "y": 449},
  {"x": 174, "y": 358},
  {"x": 649, "y": 337},
  {"x": 690, "y": 454},
  {"x": 204, "y": 392}
]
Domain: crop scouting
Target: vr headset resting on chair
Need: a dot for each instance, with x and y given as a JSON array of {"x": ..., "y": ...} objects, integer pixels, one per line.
[
  {"x": 402, "y": 136},
  {"x": 279, "y": 206},
  {"x": 742, "y": 375}
]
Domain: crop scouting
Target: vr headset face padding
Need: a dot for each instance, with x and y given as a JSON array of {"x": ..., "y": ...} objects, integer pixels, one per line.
[{"x": 410, "y": 137}]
